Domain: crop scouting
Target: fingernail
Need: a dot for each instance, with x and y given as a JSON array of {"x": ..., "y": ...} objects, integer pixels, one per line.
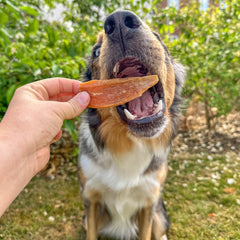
[{"x": 83, "y": 98}]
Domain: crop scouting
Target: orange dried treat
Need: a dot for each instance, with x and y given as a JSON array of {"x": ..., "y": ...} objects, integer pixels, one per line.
[{"x": 117, "y": 91}]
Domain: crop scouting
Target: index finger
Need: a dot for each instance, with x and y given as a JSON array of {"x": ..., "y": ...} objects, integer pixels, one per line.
[{"x": 58, "y": 86}]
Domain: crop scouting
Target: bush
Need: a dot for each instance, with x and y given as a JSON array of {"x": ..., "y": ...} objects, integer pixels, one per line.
[
  {"x": 209, "y": 46},
  {"x": 31, "y": 48}
]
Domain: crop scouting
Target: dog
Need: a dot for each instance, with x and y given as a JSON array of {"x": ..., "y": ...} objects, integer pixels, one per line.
[{"x": 122, "y": 163}]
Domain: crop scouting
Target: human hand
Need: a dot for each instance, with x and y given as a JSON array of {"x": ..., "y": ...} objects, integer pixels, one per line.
[
  {"x": 36, "y": 114},
  {"x": 32, "y": 122}
]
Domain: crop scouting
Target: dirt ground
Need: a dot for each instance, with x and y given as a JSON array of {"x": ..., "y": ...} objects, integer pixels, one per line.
[{"x": 194, "y": 136}]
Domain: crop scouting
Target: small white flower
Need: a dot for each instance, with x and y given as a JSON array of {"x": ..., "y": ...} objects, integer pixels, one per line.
[
  {"x": 19, "y": 35},
  {"x": 209, "y": 157},
  {"x": 230, "y": 181},
  {"x": 195, "y": 44},
  {"x": 214, "y": 176},
  {"x": 51, "y": 219}
]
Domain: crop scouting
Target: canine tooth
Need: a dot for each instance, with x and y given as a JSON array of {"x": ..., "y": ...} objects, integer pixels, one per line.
[
  {"x": 159, "y": 107},
  {"x": 129, "y": 115},
  {"x": 115, "y": 69}
]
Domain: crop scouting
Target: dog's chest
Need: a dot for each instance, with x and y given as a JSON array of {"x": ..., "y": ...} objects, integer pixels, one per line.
[{"x": 121, "y": 181}]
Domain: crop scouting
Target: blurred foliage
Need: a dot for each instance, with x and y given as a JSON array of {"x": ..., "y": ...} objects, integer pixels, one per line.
[
  {"x": 33, "y": 48},
  {"x": 209, "y": 46}
]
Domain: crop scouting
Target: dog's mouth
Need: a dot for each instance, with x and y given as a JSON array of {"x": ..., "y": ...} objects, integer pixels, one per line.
[{"x": 143, "y": 111}]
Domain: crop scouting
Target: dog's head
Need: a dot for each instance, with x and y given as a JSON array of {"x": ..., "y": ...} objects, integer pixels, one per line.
[{"x": 129, "y": 48}]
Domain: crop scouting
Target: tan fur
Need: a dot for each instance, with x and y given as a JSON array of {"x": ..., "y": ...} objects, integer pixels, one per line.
[
  {"x": 145, "y": 223},
  {"x": 92, "y": 221},
  {"x": 162, "y": 140},
  {"x": 162, "y": 174},
  {"x": 110, "y": 117},
  {"x": 95, "y": 68},
  {"x": 114, "y": 132},
  {"x": 157, "y": 227},
  {"x": 118, "y": 139},
  {"x": 82, "y": 177},
  {"x": 93, "y": 195}
]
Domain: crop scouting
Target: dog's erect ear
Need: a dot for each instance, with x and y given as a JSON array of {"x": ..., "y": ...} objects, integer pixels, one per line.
[
  {"x": 160, "y": 40},
  {"x": 180, "y": 75},
  {"x": 179, "y": 70}
]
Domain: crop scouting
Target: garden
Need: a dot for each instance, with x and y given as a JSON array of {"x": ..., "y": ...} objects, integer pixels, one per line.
[{"x": 202, "y": 191}]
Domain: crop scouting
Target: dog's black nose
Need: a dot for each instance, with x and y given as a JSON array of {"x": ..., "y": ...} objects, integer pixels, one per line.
[{"x": 120, "y": 25}]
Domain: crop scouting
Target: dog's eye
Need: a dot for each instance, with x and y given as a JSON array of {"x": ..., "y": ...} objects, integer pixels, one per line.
[{"x": 96, "y": 52}]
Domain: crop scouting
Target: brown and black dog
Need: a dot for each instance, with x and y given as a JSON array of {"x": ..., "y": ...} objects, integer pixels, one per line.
[{"x": 123, "y": 149}]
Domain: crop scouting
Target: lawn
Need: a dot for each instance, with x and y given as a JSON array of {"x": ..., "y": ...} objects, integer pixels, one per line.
[{"x": 202, "y": 196}]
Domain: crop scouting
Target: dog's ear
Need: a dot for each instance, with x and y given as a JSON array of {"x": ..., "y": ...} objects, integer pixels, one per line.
[
  {"x": 179, "y": 70},
  {"x": 160, "y": 40},
  {"x": 180, "y": 75}
]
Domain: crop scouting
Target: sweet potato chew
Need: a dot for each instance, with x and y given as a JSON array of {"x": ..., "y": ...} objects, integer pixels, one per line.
[{"x": 117, "y": 91}]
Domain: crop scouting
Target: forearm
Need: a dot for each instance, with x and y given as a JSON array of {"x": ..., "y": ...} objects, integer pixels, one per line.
[{"x": 15, "y": 169}]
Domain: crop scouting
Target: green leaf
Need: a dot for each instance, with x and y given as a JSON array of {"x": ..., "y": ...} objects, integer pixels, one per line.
[
  {"x": 51, "y": 35},
  {"x": 34, "y": 25},
  {"x": 29, "y": 10},
  {"x": 56, "y": 70},
  {"x": 3, "y": 18},
  {"x": 10, "y": 92},
  {"x": 13, "y": 7},
  {"x": 70, "y": 127},
  {"x": 5, "y": 35}
]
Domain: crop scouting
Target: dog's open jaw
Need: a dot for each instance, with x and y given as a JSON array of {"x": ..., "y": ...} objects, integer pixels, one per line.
[{"x": 144, "y": 115}]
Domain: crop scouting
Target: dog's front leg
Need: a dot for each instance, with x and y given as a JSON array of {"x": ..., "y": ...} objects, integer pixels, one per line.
[
  {"x": 92, "y": 221},
  {"x": 145, "y": 223}
]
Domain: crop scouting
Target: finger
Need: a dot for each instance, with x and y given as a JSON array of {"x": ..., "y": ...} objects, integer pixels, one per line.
[
  {"x": 58, "y": 86},
  {"x": 74, "y": 107},
  {"x": 57, "y": 137},
  {"x": 62, "y": 97}
]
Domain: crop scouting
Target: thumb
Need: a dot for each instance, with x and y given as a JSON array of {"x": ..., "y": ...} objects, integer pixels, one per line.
[{"x": 74, "y": 106}]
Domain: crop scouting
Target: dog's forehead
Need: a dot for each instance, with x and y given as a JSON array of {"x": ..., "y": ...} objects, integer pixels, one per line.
[{"x": 99, "y": 38}]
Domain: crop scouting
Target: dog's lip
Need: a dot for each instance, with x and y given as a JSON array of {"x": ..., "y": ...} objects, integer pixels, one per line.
[{"x": 142, "y": 120}]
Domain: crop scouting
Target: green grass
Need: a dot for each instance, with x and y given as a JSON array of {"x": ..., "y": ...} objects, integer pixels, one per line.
[{"x": 202, "y": 196}]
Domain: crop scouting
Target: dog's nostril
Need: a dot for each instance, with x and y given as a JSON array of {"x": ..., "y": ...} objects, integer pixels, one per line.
[
  {"x": 130, "y": 22},
  {"x": 121, "y": 25},
  {"x": 109, "y": 27}
]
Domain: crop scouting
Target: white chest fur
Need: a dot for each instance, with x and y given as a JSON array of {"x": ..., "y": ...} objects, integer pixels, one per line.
[{"x": 123, "y": 186}]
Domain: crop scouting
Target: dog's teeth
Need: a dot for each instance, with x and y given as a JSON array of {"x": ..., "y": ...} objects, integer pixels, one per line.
[
  {"x": 115, "y": 69},
  {"x": 159, "y": 107},
  {"x": 129, "y": 115}
]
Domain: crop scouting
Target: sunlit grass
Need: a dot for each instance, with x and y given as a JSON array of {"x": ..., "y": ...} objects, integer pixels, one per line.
[{"x": 202, "y": 196}]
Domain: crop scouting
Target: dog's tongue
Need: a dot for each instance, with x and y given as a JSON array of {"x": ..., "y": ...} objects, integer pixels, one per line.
[
  {"x": 141, "y": 106},
  {"x": 131, "y": 67}
]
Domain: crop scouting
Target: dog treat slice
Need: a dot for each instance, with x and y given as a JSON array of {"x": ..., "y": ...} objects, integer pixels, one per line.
[{"x": 117, "y": 91}]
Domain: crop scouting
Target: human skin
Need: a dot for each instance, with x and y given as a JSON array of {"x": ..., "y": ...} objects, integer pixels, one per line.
[{"x": 32, "y": 122}]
